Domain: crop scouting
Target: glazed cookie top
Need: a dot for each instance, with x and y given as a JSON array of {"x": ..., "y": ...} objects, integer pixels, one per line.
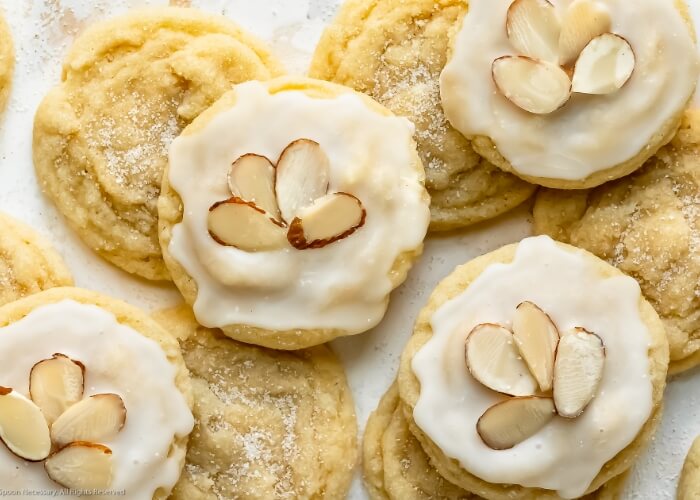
[
  {"x": 569, "y": 89},
  {"x": 296, "y": 208},
  {"x": 556, "y": 377},
  {"x": 88, "y": 402}
]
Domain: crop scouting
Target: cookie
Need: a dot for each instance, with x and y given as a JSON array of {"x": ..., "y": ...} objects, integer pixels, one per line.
[
  {"x": 394, "y": 51},
  {"x": 397, "y": 468},
  {"x": 646, "y": 225},
  {"x": 539, "y": 391},
  {"x": 689, "y": 482},
  {"x": 570, "y": 94},
  {"x": 28, "y": 264},
  {"x": 269, "y": 424},
  {"x": 129, "y": 86},
  {"x": 290, "y": 210},
  {"x": 109, "y": 382},
  {"x": 7, "y": 62}
]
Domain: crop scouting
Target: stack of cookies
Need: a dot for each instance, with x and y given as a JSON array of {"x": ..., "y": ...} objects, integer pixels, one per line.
[{"x": 286, "y": 209}]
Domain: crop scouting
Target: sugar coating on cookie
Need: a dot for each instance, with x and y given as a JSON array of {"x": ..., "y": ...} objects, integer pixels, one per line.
[
  {"x": 302, "y": 208},
  {"x": 493, "y": 84},
  {"x": 269, "y": 424},
  {"x": 399, "y": 65},
  {"x": 648, "y": 226},
  {"x": 459, "y": 405},
  {"x": 7, "y": 62},
  {"x": 28, "y": 264},
  {"x": 142, "y": 428},
  {"x": 129, "y": 86}
]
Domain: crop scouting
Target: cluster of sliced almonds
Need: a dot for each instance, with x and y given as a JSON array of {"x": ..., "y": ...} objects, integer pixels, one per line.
[
  {"x": 57, "y": 426},
  {"x": 551, "y": 50},
  {"x": 273, "y": 207},
  {"x": 547, "y": 374}
]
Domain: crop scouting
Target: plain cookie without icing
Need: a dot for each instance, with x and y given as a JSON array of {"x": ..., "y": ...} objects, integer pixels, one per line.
[
  {"x": 648, "y": 225},
  {"x": 28, "y": 263},
  {"x": 410, "y": 388},
  {"x": 129, "y": 85},
  {"x": 7, "y": 62},
  {"x": 689, "y": 482},
  {"x": 394, "y": 51},
  {"x": 269, "y": 424}
]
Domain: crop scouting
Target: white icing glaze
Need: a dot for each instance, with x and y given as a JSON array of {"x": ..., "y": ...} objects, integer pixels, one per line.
[
  {"x": 566, "y": 455},
  {"x": 118, "y": 360},
  {"x": 590, "y": 133},
  {"x": 343, "y": 285}
]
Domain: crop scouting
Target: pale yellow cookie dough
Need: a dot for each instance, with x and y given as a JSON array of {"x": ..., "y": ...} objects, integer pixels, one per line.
[
  {"x": 28, "y": 264},
  {"x": 126, "y": 315},
  {"x": 269, "y": 424},
  {"x": 7, "y": 61},
  {"x": 689, "y": 482},
  {"x": 171, "y": 211},
  {"x": 648, "y": 225},
  {"x": 397, "y": 468},
  {"x": 409, "y": 385},
  {"x": 488, "y": 149},
  {"x": 395, "y": 50},
  {"x": 128, "y": 87}
]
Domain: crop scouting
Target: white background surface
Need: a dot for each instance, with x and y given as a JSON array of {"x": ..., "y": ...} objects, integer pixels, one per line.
[{"x": 43, "y": 30}]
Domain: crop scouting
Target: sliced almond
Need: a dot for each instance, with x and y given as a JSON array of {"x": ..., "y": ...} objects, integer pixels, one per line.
[
  {"x": 56, "y": 384},
  {"x": 81, "y": 465},
  {"x": 95, "y": 419},
  {"x": 493, "y": 359},
  {"x": 302, "y": 177},
  {"x": 244, "y": 225},
  {"x": 578, "y": 371},
  {"x": 512, "y": 421},
  {"x": 536, "y": 337},
  {"x": 328, "y": 219},
  {"x": 583, "y": 21},
  {"x": 535, "y": 86},
  {"x": 252, "y": 178},
  {"x": 604, "y": 66},
  {"x": 533, "y": 29},
  {"x": 23, "y": 427}
]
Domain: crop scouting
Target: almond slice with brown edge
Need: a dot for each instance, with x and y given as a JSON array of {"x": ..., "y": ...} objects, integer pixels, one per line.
[
  {"x": 583, "y": 21},
  {"x": 578, "y": 371},
  {"x": 536, "y": 86},
  {"x": 252, "y": 178},
  {"x": 95, "y": 419},
  {"x": 533, "y": 29},
  {"x": 56, "y": 384},
  {"x": 241, "y": 224},
  {"x": 302, "y": 177},
  {"x": 604, "y": 66},
  {"x": 493, "y": 359},
  {"x": 328, "y": 219},
  {"x": 536, "y": 337},
  {"x": 23, "y": 427},
  {"x": 81, "y": 465},
  {"x": 512, "y": 421}
]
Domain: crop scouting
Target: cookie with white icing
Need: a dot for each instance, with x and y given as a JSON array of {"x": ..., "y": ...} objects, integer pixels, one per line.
[
  {"x": 269, "y": 424},
  {"x": 535, "y": 371},
  {"x": 394, "y": 51},
  {"x": 28, "y": 263},
  {"x": 290, "y": 210},
  {"x": 129, "y": 86},
  {"x": 97, "y": 396},
  {"x": 397, "y": 468},
  {"x": 689, "y": 482},
  {"x": 648, "y": 226},
  {"x": 570, "y": 94}
]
